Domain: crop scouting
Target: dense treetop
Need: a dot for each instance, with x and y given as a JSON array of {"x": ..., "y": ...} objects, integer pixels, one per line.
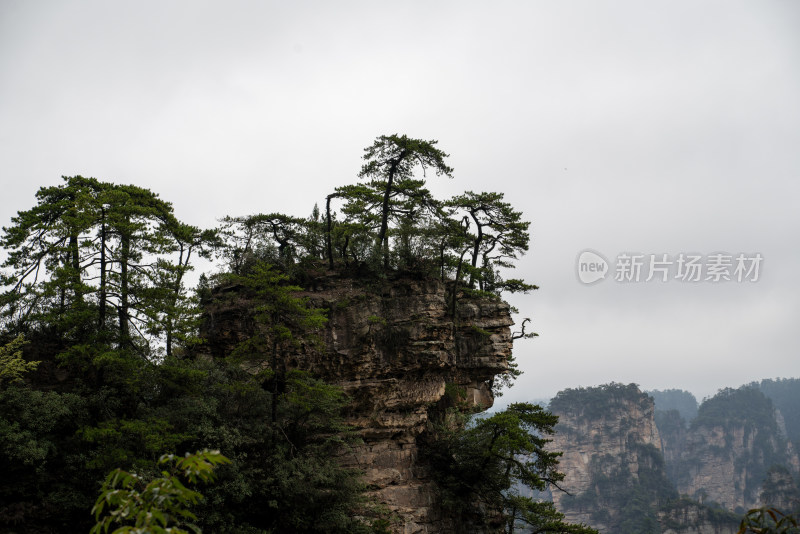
[
  {"x": 118, "y": 255},
  {"x": 390, "y": 221},
  {"x": 594, "y": 402}
]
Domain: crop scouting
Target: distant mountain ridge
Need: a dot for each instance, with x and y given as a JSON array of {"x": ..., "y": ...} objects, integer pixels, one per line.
[
  {"x": 783, "y": 392},
  {"x": 639, "y": 463}
]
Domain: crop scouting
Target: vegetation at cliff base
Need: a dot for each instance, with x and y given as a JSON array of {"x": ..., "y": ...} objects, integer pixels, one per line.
[
  {"x": 161, "y": 505},
  {"x": 479, "y": 467}
]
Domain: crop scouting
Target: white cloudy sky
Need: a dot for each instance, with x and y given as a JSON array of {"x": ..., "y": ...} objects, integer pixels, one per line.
[{"x": 652, "y": 127}]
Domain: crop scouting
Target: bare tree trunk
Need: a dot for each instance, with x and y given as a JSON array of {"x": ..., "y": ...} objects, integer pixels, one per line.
[
  {"x": 124, "y": 305},
  {"x": 475, "y": 251},
  {"x": 101, "y": 319},
  {"x": 383, "y": 240},
  {"x": 328, "y": 239},
  {"x": 274, "y": 382}
]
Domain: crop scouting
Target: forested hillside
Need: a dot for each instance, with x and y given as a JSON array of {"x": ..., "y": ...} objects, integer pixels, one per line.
[
  {"x": 730, "y": 447},
  {"x": 107, "y": 372}
]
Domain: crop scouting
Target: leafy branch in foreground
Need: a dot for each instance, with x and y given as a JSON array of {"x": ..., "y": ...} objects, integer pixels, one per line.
[
  {"x": 768, "y": 521},
  {"x": 161, "y": 506}
]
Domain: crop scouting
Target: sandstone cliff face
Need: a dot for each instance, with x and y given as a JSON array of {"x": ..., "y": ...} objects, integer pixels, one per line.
[
  {"x": 672, "y": 428},
  {"x": 727, "y": 463},
  {"x": 626, "y": 475},
  {"x": 730, "y": 447},
  {"x": 780, "y": 490},
  {"x": 711, "y": 470},
  {"x": 609, "y": 439},
  {"x": 393, "y": 347}
]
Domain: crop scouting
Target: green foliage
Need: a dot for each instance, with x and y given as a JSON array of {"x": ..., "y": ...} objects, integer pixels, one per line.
[
  {"x": 91, "y": 254},
  {"x": 12, "y": 365},
  {"x": 389, "y": 169},
  {"x": 274, "y": 237},
  {"x": 56, "y": 445},
  {"x": 454, "y": 394},
  {"x": 135, "y": 442},
  {"x": 511, "y": 285},
  {"x": 499, "y": 235},
  {"x": 479, "y": 294},
  {"x": 735, "y": 405},
  {"x": 389, "y": 223},
  {"x": 39, "y": 458},
  {"x": 768, "y": 521},
  {"x": 532, "y": 516},
  {"x": 634, "y": 501},
  {"x": 595, "y": 402},
  {"x": 162, "y": 505},
  {"x": 377, "y": 320},
  {"x": 506, "y": 380},
  {"x": 287, "y": 318},
  {"x": 390, "y": 219},
  {"x": 478, "y": 466},
  {"x": 284, "y": 476},
  {"x": 283, "y": 321},
  {"x": 29, "y": 419},
  {"x": 95, "y": 277},
  {"x": 480, "y": 331}
]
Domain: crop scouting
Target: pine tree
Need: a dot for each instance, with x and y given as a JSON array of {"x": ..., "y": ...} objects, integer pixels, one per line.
[
  {"x": 482, "y": 466},
  {"x": 389, "y": 169},
  {"x": 499, "y": 235},
  {"x": 284, "y": 321},
  {"x": 98, "y": 262}
]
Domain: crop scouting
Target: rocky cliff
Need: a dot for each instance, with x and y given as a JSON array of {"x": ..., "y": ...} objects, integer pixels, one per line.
[
  {"x": 780, "y": 490},
  {"x": 672, "y": 429},
  {"x": 612, "y": 458},
  {"x": 727, "y": 451},
  {"x": 626, "y": 465},
  {"x": 394, "y": 347}
]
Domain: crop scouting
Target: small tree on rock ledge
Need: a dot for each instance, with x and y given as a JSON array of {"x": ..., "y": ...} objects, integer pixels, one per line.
[{"x": 391, "y": 161}]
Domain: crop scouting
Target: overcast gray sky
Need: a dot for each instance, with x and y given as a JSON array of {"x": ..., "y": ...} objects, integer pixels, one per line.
[{"x": 654, "y": 127}]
